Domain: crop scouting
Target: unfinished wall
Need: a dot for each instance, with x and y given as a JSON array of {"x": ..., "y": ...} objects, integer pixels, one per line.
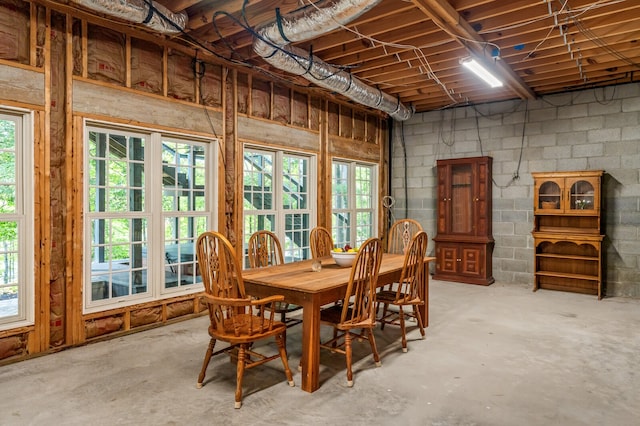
[
  {"x": 118, "y": 75},
  {"x": 586, "y": 130}
]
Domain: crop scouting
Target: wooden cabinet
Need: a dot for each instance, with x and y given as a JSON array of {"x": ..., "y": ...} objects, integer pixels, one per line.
[
  {"x": 464, "y": 241},
  {"x": 567, "y": 231}
]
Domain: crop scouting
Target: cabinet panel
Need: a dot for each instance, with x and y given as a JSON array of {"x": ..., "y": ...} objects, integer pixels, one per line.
[
  {"x": 472, "y": 261},
  {"x": 448, "y": 260},
  {"x": 461, "y": 199},
  {"x": 464, "y": 244}
]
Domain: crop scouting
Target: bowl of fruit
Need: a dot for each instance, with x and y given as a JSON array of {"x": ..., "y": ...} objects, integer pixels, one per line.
[{"x": 344, "y": 256}]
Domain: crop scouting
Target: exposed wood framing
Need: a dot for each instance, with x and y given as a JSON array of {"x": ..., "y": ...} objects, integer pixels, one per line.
[
  {"x": 86, "y": 98},
  {"x": 447, "y": 17}
]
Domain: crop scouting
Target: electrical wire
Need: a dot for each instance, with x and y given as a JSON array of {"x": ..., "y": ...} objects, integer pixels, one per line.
[{"x": 417, "y": 51}]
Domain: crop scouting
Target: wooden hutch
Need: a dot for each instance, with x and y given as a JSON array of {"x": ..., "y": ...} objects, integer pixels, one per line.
[
  {"x": 464, "y": 240},
  {"x": 567, "y": 231}
]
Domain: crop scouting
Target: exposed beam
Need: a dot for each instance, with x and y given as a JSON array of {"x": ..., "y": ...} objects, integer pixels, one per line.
[{"x": 447, "y": 18}]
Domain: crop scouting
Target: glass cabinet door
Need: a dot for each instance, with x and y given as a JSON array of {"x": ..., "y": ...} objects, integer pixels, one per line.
[
  {"x": 549, "y": 195},
  {"x": 581, "y": 195},
  {"x": 462, "y": 199}
]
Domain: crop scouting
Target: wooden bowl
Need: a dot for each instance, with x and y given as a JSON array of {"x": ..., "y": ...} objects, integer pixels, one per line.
[{"x": 549, "y": 204}]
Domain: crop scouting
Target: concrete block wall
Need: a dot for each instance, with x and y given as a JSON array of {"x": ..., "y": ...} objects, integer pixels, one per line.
[{"x": 594, "y": 129}]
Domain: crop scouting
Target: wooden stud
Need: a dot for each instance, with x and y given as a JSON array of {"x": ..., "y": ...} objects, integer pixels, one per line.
[
  {"x": 165, "y": 71},
  {"x": 127, "y": 60}
]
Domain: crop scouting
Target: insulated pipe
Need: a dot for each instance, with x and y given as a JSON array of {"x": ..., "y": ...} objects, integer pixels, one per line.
[
  {"x": 273, "y": 40},
  {"x": 146, "y": 12}
]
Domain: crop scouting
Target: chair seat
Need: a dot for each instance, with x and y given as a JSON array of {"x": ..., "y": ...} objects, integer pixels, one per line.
[
  {"x": 245, "y": 328},
  {"x": 387, "y": 296},
  {"x": 286, "y": 307},
  {"x": 333, "y": 315}
]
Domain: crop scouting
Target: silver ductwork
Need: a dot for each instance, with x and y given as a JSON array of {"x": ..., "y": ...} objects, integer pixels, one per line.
[
  {"x": 148, "y": 13},
  {"x": 273, "y": 40}
]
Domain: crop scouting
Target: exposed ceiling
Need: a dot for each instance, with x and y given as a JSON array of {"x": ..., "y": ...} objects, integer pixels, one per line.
[{"x": 411, "y": 49}]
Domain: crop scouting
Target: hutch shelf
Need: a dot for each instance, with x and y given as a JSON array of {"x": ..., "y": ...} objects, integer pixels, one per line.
[
  {"x": 464, "y": 241},
  {"x": 567, "y": 231}
]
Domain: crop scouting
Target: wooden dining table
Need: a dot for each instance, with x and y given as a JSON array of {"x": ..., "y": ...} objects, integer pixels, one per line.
[{"x": 301, "y": 285}]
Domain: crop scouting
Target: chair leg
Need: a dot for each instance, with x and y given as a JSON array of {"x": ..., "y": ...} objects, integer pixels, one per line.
[
  {"x": 384, "y": 314},
  {"x": 205, "y": 363},
  {"x": 374, "y": 348},
  {"x": 282, "y": 349},
  {"x": 403, "y": 329},
  {"x": 239, "y": 373},
  {"x": 348, "y": 356},
  {"x": 416, "y": 313}
]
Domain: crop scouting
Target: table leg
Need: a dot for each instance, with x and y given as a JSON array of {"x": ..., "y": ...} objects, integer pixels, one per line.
[
  {"x": 311, "y": 345},
  {"x": 424, "y": 309}
]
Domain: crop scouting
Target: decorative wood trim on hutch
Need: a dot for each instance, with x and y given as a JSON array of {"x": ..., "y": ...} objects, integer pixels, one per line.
[{"x": 567, "y": 231}]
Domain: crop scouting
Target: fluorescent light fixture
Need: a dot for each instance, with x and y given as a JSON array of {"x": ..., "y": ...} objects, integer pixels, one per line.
[{"x": 481, "y": 72}]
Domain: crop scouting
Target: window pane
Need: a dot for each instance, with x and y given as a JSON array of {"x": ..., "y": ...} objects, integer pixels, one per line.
[
  {"x": 341, "y": 225},
  {"x": 340, "y": 186},
  {"x": 258, "y": 181},
  {"x": 184, "y": 180},
  {"x": 9, "y": 271},
  {"x": 16, "y": 199},
  {"x": 353, "y": 197},
  {"x": 295, "y": 182},
  {"x": 296, "y": 243},
  {"x": 118, "y": 257},
  {"x": 7, "y": 166},
  {"x": 116, "y": 172}
]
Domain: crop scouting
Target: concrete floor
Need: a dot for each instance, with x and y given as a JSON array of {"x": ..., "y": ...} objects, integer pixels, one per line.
[{"x": 497, "y": 355}]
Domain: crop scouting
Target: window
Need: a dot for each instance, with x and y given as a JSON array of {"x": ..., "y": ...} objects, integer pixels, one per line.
[
  {"x": 16, "y": 219},
  {"x": 278, "y": 198},
  {"x": 353, "y": 200},
  {"x": 148, "y": 196}
]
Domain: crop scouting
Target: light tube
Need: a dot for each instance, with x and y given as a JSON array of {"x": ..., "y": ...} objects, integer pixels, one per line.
[{"x": 481, "y": 72}]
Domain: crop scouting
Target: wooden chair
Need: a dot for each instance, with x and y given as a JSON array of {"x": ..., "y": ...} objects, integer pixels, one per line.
[
  {"x": 357, "y": 310},
  {"x": 400, "y": 235},
  {"x": 234, "y": 317},
  {"x": 398, "y": 240},
  {"x": 321, "y": 242},
  {"x": 265, "y": 250},
  {"x": 408, "y": 293}
]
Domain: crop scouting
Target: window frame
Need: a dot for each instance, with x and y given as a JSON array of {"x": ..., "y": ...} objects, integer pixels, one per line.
[
  {"x": 152, "y": 211},
  {"x": 277, "y": 209},
  {"x": 24, "y": 215},
  {"x": 352, "y": 209}
]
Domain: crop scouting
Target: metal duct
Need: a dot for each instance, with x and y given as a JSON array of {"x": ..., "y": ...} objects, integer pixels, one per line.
[
  {"x": 273, "y": 46},
  {"x": 145, "y": 12}
]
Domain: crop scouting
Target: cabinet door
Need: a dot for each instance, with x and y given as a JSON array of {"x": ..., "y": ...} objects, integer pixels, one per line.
[
  {"x": 583, "y": 195},
  {"x": 548, "y": 195},
  {"x": 482, "y": 200},
  {"x": 447, "y": 259},
  {"x": 462, "y": 199},
  {"x": 444, "y": 198},
  {"x": 472, "y": 261}
]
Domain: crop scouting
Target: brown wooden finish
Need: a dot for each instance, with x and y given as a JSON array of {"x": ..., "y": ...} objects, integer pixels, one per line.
[
  {"x": 302, "y": 286},
  {"x": 408, "y": 293},
  {"x": 265, "y": 250},
  {"x": 321, "y": 242},
  {"x": 567, "y": 231},
  {"x": 358, "y": 306},
  {"x": 400, "y": 235},
  {"x": 464, "y": 243},
  {"x": 412, "y": 50},
  {"x": 236, "y": 318}
]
